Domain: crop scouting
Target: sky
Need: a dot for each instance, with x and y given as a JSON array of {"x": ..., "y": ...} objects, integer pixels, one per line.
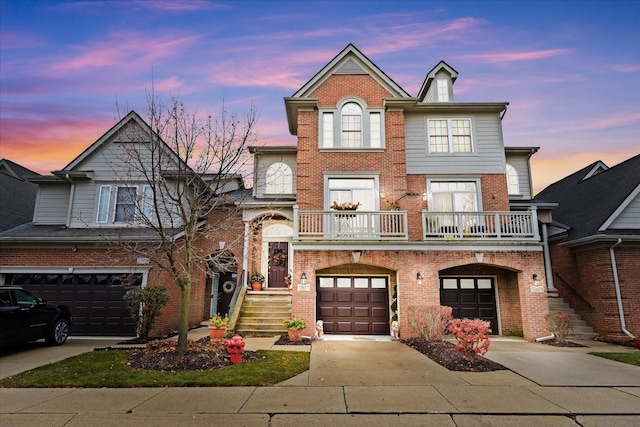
[{"x": 570, "y": 70}]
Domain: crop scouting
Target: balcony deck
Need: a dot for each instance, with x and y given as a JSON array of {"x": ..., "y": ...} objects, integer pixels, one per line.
[{"x": 393, "y": 225}]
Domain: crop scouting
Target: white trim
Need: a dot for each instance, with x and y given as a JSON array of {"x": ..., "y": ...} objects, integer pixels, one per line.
[
  {"x": 446, "y": 245},
  {"x": 630, "y": 198}
]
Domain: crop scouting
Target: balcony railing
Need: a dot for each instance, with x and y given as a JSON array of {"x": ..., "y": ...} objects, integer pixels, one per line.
[
  {"x": 350, "y": 225},
  {"x": 496, "y": 225}
]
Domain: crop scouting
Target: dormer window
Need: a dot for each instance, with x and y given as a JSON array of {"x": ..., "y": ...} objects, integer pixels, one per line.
[
  {"x": 443, "y": 90},
  {"x": 352, "y": 126},
  {"x": 279, "y": 179}
]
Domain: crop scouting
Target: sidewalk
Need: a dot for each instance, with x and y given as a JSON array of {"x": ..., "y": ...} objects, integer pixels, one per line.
[{"x": 360, "y": 383}]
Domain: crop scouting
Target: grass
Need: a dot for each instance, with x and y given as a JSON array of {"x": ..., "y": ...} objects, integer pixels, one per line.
[
  {"x": 108, "y": 369},
  {"x": 632, "y": 358}
]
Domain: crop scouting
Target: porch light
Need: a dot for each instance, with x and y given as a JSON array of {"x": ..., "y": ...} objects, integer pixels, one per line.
[
  {"x": 536, "y": 279},
  {"x": 424, "y": 197},
  {"x": 382, "y": 194},
  {"x": 303, "y": 278},
  {"x": 419, "y": 278}
]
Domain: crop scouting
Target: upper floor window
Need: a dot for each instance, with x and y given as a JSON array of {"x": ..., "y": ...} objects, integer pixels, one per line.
[
  {"x": 354, "y": 191},
  {"x": 123, "y": 205},
  {"x": 352, "y": 126},
  {"x": 453, "y": 196},
  {"x": 513, "y": 184},
  {"x": 279, "y": 179},
  {"x": 450, "y": 136},
  {"x": 443, "y": 90}
]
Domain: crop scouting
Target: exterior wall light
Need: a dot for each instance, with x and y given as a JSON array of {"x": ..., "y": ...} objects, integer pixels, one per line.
[
  {"x": 536, "y": 279},
  {"x": 419, "y": 278},
  {"x": 382, "y": 194},
  {"x": 303, "y": 278},
  {"x": 424, "y": 197}
]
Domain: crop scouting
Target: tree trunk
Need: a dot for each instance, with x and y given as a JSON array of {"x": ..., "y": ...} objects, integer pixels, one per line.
[{"x": 183, "y": 326}]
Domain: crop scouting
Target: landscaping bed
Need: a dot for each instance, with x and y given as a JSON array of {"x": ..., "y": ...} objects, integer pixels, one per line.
[{"x": 445, "y": 354}]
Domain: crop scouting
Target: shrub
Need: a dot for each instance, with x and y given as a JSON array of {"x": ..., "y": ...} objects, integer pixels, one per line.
[
  {"x": 560, "y": 325},
  {"x": 218, "y": 321},
  {"x": 145, "y": 305},
  {"x": 430, "y": 323},
  {"x": 294, "y": 323},
  {"x": 471, "y": 337}
]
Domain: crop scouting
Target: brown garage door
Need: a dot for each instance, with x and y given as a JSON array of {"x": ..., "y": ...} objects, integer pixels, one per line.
[
  {"x": 354, "y": 305},
  {"x": 471, "y": 298},
  {"x": 95, "y": 300}
]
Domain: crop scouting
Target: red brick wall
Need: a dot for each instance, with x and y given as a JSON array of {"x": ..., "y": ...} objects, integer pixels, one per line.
[{"x": 584, "y": 279}]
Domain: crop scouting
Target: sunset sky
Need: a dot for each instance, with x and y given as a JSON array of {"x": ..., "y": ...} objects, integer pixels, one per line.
[{"x": 569, "y": 70}]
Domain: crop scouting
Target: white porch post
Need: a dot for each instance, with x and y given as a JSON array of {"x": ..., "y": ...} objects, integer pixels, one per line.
[{"x": 245, "y": 253}]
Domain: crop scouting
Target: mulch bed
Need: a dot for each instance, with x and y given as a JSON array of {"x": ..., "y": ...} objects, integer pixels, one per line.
[
  {"x": 201, "y": 355},
  {"x": 284, "y": 340},
  {"x": 556, "y": 343},
  {"x": 445, "y": 354}
]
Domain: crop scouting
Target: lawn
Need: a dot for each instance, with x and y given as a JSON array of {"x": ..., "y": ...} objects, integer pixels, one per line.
[
  {"x": 630, "y": 358},
  {"x": 108, "y": 369}
]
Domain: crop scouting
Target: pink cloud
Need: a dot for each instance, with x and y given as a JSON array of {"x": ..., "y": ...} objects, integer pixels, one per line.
[
  {"x": 518, "y": 56},
  {"x": 626, "y": 68},
  {"x": 181, "y": 5}
]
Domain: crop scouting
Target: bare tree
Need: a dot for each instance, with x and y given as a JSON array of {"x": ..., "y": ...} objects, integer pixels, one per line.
[{"x": 185, "y": 161}]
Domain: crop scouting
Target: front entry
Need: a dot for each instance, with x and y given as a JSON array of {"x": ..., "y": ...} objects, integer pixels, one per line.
[
  {"x": 354, "y": 305},
  {"x": 278, "y": 264},
  {"x": 471, "y": 298}
]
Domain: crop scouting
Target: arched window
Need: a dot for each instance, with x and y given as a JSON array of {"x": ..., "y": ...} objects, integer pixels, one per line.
[
  {"x": 279, "y": 179},
  {"x": 513, "y": 185},
  {"x": 351, "y": 114}
]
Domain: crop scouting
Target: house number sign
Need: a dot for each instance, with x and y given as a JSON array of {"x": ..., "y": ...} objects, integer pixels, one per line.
[{"x": 305, "y": 287}]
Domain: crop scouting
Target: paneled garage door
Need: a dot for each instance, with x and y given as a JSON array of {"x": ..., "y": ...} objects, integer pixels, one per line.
[
  {"x": 354, "y": 305},
  {"x": 471, "y": 298},
  {"x": 95, "y": 300}
]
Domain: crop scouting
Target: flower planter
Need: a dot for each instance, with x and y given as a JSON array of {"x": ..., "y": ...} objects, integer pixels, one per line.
[
  {"x": 216, "y": 333},
  {"x": 636, "y": 341},
  {"x": 295, "y": 334},
  {"x": 256, "y": 286}
]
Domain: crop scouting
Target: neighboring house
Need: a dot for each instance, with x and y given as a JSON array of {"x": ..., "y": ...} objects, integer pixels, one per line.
[
  {"x": 73, "y": 251},
  {"x": 17, "y": 194},
  {"x": 387, "y": 202},
  {"x": 433, "y": 187},
  {"x": 595, "y": 245}
]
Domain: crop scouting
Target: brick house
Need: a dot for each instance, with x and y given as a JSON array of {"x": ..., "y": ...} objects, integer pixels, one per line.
[
  {"x": 390, "y": 201},
  {"x": 595, "y": 245},
  {"x": 387, "y": 201}
]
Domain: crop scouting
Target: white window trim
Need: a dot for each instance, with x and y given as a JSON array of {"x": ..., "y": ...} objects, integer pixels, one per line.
[
  {"x": 337, "y": 127},
  {"x": 327, "y": 190},
  {"x": 115, "y": 204},
  {"x": 450, "y": 136},
  {"x": 476, "y": 180},
  {"x": 266, "y": 178},
  {"x": 516, "y": 176}
]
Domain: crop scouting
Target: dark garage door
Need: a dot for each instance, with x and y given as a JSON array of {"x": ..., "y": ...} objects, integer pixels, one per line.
[
  {"x": 354, "y": 305},
  {"x": 471, "y": 298},
  {"x": 96, "y": 301}
]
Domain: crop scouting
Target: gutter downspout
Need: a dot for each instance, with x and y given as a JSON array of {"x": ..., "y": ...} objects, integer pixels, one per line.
[
  {"x": 72, "y": 192},
  {"x": 616, "y": 282},
  {"x": 547, "y": 260}
]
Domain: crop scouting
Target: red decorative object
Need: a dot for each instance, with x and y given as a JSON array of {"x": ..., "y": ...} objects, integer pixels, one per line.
[
  {"x": 216, "y": 333},
  {"x": 235, "y": 348},
  {"x": 636, "y": 341},
  {"x": 295, "y": 334}
]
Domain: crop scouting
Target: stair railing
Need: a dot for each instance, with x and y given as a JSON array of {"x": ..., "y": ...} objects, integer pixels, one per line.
[{"x": 236, "y": 302}]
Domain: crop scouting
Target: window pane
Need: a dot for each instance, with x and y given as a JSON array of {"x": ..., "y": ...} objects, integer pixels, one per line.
[
  {"x": 466, "y": 284},
  {"x": 103, "y": 203},
  {"x": 279, "y": 179},
  {"x": 438, "y": 137},
  {"x": 360, "y": 282},
  {"x": 484, "y": 283},
  {"x": 376, "y": 130},
  {"x": 125, "y": 204},
  {"x": 461, "y": 136},
  {"x": 512, "y": 180},
  {"x": 443, "y": 90},
  {"x": 344, "y": 282},
  {"x": 449, "y": 284},
  {"x": 351, "y": 125},
  {"x": 378, "y": 282},
  {"x": 326, "y": 282},
  {"x": 327, "y": 130},
  {"x": 147, "y": 201}
]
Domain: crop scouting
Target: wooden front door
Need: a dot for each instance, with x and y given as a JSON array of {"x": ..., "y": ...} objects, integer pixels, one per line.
[{"x": 278, "y": 264}]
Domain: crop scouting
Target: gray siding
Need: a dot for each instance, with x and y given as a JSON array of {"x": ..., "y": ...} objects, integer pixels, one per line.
[
  {"x": 630, "y": 216},
  {"x": 488, "y": 156},
  {"x": 52, "y": 204},
  {"x": 521, "y": 164}
]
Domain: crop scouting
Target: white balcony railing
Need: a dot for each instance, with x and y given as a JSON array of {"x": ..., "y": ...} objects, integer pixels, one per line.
[
  {"x": 496, "y": 225},
  {"x": 350, "y": 225}
]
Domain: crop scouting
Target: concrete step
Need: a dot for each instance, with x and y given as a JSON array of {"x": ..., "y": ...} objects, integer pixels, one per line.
[
  {"x": 263, "y": 312},
  {"x": 581, "y": 330}
]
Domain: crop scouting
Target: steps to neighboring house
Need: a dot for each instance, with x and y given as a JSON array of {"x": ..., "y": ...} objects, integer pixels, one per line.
[
  {"x": 581, "y": 331},
  {"x": 263, "y": 311}
]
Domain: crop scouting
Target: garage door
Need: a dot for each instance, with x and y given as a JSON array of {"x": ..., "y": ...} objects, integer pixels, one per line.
[
  {"x": 354, "y": 305},
  {"x": 471, "y": 298},
  {"x": 96, "y": 300}
]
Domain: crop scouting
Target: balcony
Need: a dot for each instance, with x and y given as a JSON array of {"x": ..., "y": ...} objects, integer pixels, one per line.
[
  {"x": 520, "y": 225},
  {"x": 350, "y": 225}
]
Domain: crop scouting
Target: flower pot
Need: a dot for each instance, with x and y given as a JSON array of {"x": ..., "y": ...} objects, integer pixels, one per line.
[
  {"x": 636, "y": 341},
  {"x": 217, "y": 333},
  {"x": 256, "y": 286},
  {"x": 295, "y": 334}
]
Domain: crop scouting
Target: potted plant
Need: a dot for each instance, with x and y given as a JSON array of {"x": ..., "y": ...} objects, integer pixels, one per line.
[
  {"x": 218, "y": 326},
  {"x": 636, "y": 339},
  {"x": 256, "y": 279},
  {"x": 295, "y": 326}
]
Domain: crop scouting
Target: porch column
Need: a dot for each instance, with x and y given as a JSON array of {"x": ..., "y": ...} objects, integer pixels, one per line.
[{"x": 245, "y": 254}]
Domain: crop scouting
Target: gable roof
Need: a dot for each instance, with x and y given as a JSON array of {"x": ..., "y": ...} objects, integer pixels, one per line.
[
  {"x": 349, "y": 61},
  {"x": 587, "y": 201},
  {"x": 431, "y": 75},
  {"x": 15, "y": 170}
]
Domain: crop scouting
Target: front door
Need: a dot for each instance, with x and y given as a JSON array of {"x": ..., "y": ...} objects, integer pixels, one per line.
[{"x": 278, "y": 264}]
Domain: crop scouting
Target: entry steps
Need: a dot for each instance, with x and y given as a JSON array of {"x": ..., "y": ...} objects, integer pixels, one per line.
[
  {"x": 263, "y": 312},
  {"x": 581, "y": 331}
]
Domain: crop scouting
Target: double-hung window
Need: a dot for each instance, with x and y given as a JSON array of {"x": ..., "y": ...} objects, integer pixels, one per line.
[
  {"x": 125, "y": 204},
  {"x": 352, "y": 126},
  {"x": 450, "y": 136},
  {"x": 121, "y": 204}
]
